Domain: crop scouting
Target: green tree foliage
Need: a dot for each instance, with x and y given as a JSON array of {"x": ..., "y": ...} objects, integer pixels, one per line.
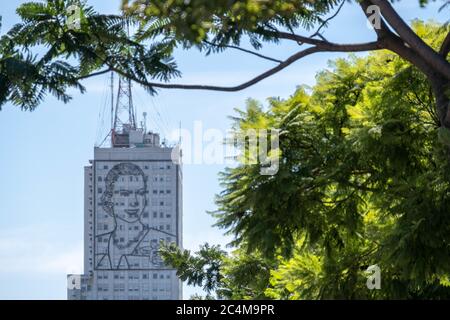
[
  {"x": 221, "y": 275},
  {"x": 194, "y": 20},
  {"x": 45, "y": 54},
  {"x": 363, "y": 180},
  {"x": 225, "y": 21},
  {"x": 218, "y": 25}
]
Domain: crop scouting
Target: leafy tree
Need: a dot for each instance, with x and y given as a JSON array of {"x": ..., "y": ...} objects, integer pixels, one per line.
[
  {"x": 102, "y": 45},
  {"x": 218, "y": 25},
  {"x": 221, "y": 275},
  {"x": 363, "y": 180},
  {"x": 45, "y": 54}
]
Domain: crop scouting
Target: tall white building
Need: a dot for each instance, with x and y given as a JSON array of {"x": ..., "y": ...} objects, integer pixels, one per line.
[{"x": 133, "y": 201}]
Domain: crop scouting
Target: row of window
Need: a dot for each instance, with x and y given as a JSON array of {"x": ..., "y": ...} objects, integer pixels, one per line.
[
  {"x": 145, "y": 214},
  {"x": 146, "y": 167},
  {"x": 155, "y": 203},
  {"x": 154, "y": 275},
  {"x": 127, "y": 193},
  {"x": 135, "y": 297},
  {"x": 157, "y": 178},
  {"x": 131, "y": 289},
  {"x": 122, "y": 239},
  {"x": 160, "y": 227}
]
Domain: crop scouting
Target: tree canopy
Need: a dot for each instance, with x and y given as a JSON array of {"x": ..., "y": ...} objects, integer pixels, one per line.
[
  {"x": 363, "y": 180},
  {"x": 44, "y": 54},
  {"x": 218, "y": 25},
  {"x": 101, "y": 44}
]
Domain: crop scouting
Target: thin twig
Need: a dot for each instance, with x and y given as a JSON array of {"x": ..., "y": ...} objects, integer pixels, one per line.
[{"x": 244, "y": 50}]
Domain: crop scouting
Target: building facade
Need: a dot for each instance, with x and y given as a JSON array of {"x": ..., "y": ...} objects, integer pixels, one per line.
[{"x": 133, "y": 203}]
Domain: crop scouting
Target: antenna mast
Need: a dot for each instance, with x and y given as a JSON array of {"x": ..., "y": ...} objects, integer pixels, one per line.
[{"x": 124, "y": 112}]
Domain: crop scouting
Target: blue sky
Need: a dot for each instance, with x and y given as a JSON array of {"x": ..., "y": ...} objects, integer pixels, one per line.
[{"x": 42, "y": 153}]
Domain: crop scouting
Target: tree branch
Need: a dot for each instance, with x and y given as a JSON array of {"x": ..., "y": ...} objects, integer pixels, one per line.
[
  {"x": 439, "y": 64},
  {"x": 328, "y": 20},
  {"x": 243, "y": 50},
  {"x": 93, "y": 74},
  {"x": 324, "y": 47},
  {"x": 381, "y": 32},
  {"x": 300, "y": 39},
  {"x": 445, "y": 48},
  {"x": 297, "y": 38}
]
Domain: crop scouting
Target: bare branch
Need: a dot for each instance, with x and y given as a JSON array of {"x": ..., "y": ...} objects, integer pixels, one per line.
[
  {"x": 310, "y": 40},
  {"x": 244, "y": 50},
  {"x": 323, "y": 24},
  {"x": 93, "y": 74},
  {"x": 407, "y": 34},
  {"x": 324, "y": 47},
  {"x": 297, "y": 38}
]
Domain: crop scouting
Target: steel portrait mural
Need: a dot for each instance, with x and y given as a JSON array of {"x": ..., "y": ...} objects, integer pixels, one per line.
[{"x": 126, "y": 237}]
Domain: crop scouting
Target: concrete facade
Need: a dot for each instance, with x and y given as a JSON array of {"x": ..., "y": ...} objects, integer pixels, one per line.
[{"x": 133, "y": 202}]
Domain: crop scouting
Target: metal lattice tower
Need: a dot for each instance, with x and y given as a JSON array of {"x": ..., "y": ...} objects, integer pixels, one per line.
[
  {"x": 124, "y": 118},
  {"x": 124, "y": 111}
]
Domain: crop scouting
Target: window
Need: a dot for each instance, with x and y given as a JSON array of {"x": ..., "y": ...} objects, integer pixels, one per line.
[
  {"x": 168, "y": 191},
  {"x": 155, "y": 214},
  {"x": 169, "y": 167},
  {"x": 99, "y": 179},
  {"x": 155, "y": 276},
  {"x": 145, "y": 214},
  {"x": 168, "y": 215},
  {"x": 105, "y": 167},
  {"x": 100, "y": 190},
  {"x": 168, "y": 227},
  {"x": 161, "y": 214},
  {"x": 161, "y": 203},
  {"x": 155, "y": 191}
]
